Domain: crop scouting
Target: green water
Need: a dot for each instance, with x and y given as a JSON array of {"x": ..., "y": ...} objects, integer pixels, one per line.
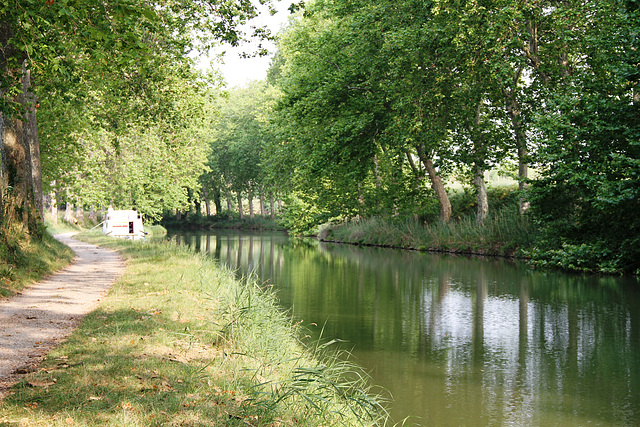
[{"x": 458, "y": 340}]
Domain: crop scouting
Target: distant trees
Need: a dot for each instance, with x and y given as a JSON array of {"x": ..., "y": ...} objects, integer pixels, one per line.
[{"x": 240, "y": 137}]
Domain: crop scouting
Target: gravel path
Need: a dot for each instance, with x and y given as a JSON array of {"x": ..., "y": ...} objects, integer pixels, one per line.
[{"x": 45, "y": 313}]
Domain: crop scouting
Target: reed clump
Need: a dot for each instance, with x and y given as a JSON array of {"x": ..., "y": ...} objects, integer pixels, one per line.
[
  {"x": 505, "y": 232},
  {"x": 179, "y": 341}
]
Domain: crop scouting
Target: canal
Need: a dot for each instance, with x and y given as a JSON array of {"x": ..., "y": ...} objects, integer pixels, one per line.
[{"x": 458, "y": 340}]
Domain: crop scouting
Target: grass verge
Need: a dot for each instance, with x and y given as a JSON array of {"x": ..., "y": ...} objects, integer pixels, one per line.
[
  {"x": 180, "y": 342},
  {"x": 25, "y": 259}
]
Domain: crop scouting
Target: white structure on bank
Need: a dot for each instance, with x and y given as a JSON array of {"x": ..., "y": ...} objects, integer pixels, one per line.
[{"x": 124, "y": 223}]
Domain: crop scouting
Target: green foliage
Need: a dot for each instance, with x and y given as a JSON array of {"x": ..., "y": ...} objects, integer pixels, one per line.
[
  {"x": 302, "y": 217},
  {"x": 147, "y": 171},
  {"x": 240, "y": 138},
  {"x": 587, "y": 200},
  {"x": 64, "y": 39},
  {"x": 222, "y": 220},
  {"x": 465, "y": 203},
  {"x": 592, "y": 257},
  {"x": 110, "y": 77},
  {"x": 373, "y": 91}
]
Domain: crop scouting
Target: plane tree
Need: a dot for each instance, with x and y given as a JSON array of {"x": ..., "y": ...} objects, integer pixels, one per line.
[
  {"x": 586, "y": 200},
  {"x": 411, "y": 80},
  {"x": 337, "y": 110},
  {"x": 239, "y": 135},
  {"x": 127, "y": 48}
]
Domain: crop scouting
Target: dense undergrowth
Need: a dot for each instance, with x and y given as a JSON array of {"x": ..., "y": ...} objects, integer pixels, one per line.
[{"x": 180, "y": 342}]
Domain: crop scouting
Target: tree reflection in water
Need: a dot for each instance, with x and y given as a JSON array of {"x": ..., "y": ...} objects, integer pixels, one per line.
[{"x": 460, "y": 340}]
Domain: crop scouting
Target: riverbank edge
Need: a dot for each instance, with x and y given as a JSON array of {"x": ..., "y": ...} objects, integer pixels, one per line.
[
  {"x": 502, "y": 236},
  {"x": 466, "y": 252},
  {"x": 178, "y": 340}
]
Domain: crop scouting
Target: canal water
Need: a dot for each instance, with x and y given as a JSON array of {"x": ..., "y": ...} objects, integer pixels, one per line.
[{"x": 459, "y": 340}]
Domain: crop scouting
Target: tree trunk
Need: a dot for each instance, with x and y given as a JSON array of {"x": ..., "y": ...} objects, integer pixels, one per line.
[
  {"x": 437, "y": 185},
  {"x": 93, "y": 215},
  {"x": 478, "y": 179},
  {"x": 229, "y": 208},
  {"x": 239, "y": 196},
  {"x": 13, "y": 173},
  {"x": 483, "y": 200},
  {"x": 68, "y": 213},
  {"x": 263, "y": 209},
  {"x": 20, "y": 156},
  {"x": 190, "y": 200},
  {"x": 515, "y": 113},
  {"x": 80, "y": 212},
  {"x": 217, "y": 200},
  {"x": 32, "y": 143},
  {"x": 272, "y": 205},
  {"x": 54, "y": 204},
  {"x": 207, "y": 206},
  {"x": 3, "y": 171},
  {"x": 250, "y": 195},
  {"x": 418, "y": 174}
]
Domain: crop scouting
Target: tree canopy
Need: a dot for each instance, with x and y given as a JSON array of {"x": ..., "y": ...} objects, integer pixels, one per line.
[
  {"x": 120, "y": 109},
  {"x": 381, "y": 93},
  {"x": 370, "y": 109}
]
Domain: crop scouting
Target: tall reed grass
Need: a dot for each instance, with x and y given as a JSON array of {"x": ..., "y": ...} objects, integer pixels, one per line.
[{"x": 504, "y": 232}]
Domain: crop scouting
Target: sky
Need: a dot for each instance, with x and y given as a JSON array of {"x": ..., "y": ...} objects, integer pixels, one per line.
[{"x": 239, "y": 71}]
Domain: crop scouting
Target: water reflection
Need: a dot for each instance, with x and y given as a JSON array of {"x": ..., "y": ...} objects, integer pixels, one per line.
[{"x": 457, "y": 340}]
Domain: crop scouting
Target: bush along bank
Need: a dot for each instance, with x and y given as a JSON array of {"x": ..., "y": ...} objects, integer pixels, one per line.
[{"x": 180, "y": 342}]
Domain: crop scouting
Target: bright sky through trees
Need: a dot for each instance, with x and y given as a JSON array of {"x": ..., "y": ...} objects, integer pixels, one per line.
[{"x": 238, "y": 71}]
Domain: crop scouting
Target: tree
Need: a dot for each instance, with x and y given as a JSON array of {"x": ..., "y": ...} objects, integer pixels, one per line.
[
  {"x": 586, "y": 201},
  {"x": 336, "y": 112},
  {"x": 240, "y": 133},
  {"x": 63, "y": 44}
]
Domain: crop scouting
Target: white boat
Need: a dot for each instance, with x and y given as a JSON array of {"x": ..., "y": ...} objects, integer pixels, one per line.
[{"x": 123, "y": 223}]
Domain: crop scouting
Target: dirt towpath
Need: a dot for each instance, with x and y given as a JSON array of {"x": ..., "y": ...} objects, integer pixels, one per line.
[{"x": 45, "y": 313}]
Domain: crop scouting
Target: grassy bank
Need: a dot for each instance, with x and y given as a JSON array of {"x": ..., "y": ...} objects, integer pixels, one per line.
[
  {"x": 505, "y": 232},
  {"x": 179, "y": 342},
  {"x": 24, "y": 259}
]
